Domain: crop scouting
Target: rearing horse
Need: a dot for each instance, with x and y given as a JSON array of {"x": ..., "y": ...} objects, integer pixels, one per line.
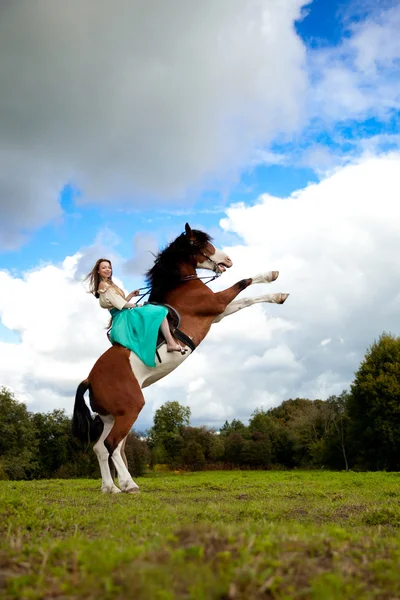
[{"x": 116, "y": 381}]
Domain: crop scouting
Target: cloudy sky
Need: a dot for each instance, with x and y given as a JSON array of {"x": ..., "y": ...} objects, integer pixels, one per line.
[{"x": 271, "y": 124}]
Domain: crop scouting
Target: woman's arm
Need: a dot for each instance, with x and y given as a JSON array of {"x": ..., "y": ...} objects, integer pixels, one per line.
[{"x": 132, "y": 294}]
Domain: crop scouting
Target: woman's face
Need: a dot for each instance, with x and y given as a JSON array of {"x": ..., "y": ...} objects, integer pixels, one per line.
[{"x": 105, "y": 270}]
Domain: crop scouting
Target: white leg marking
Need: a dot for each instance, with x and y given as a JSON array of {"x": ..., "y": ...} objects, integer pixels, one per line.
[
  {"x": 108, "y": 486},
  {"x": 125, "y": 480},
  {"x": 239, "y": 304},
  {"x": 265, "y": 277}
]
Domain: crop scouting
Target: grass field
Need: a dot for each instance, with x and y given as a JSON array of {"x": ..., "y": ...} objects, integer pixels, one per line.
[{"x": 219, "y": 535}]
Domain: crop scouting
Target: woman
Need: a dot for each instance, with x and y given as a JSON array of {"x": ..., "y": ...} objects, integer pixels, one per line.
[{"x": 135, "y": 329}]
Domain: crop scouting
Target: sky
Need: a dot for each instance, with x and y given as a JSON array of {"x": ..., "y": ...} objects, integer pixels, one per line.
[{"x": 273, "y": 125}]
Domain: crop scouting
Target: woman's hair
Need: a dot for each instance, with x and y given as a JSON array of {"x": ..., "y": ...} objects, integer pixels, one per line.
[{"x": 94, "y": 278}]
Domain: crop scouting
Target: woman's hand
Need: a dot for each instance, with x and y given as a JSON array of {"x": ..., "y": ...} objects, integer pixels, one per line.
[{"x": 132, "y": 294}]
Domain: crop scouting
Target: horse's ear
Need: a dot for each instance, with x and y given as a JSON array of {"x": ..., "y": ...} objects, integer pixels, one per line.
[{"x": 188, "y": 231}]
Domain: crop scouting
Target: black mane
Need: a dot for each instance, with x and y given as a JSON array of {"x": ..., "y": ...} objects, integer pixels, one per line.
[{"x": 164, "y": 275}]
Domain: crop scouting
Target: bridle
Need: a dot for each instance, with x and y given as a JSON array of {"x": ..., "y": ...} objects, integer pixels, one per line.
[{"x": 215, "y": 267}]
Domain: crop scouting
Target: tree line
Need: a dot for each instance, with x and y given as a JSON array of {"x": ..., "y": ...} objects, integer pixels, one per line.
[{"x": 358, "y": 429}]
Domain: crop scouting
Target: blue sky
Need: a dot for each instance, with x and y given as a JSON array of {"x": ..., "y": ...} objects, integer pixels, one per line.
[
  {"x": 325, "y": 23},
  {"x": 183, "y": 128}
]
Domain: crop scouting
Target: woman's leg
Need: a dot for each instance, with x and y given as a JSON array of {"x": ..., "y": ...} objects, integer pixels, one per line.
[{"x": 172, "y": 345}]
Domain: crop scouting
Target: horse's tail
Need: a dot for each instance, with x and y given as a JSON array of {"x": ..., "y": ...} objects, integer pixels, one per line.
[{"x": 84, "y": 426}]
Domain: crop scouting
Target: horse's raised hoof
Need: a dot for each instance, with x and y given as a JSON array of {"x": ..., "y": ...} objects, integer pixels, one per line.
[
  {"x": 274, "y": 275},
  {"x": 266, "y": 277},
  {"x": 283, "y": 297}
]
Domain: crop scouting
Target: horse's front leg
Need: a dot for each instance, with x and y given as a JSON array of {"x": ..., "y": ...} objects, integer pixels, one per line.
[
  {"x": 232, "y": 307},
  {"x": 230, "y": 294},
  {"x": 226, "y": 296},
  {"x": 237, "y": 305}
]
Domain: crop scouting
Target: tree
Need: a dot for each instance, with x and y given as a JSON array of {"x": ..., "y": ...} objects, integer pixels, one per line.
[
  {"x": 193, "y": 456},
  {"x": 235, "y": 427},
  {"x": 169, "y": 418},
  {"x": 173, "y": 444},
  {"x": 216, "y": 449},
  {"x": 164, "y": 438},
  {"x": 310, "y": 426},
  {"x": 233, "y": 448},
  {"x": 288, "y": 409},
  {"x": 282, "y": 444},
  {"x": 260, "y": 422},
  {"x": 374, "y": 406},
  {"x": 18, "y": 440},
  {"x": 339, "y": 423},
  {"x": 204, "y": 437},
  {"x": 53, "y": 431},
  {"x": 257, "y": 451}
]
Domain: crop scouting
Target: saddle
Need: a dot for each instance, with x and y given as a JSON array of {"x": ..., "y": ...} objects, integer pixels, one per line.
[{"x": 174, "y": 320}]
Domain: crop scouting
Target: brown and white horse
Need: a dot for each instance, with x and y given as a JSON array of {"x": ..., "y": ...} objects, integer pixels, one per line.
[{"x": 116, "y": 381}]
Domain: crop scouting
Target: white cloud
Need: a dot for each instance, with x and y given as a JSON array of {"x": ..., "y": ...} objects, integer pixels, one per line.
[
  {"x": 351, "y": 82},
  {"x": 278, "y": 357},
  {"x": 336, "y": 245},
  {"x": 376, "y": 42},
  {"x": 359, "y": 78},
  {"x": 131, "y": 98},
  {"x": 60, "y": 331}
]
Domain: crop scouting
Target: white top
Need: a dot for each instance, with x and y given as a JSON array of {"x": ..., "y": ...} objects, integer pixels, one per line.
[{"x": 109, "y": 298}]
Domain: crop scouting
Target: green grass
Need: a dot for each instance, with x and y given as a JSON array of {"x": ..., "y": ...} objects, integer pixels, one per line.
[{"x": 214, "y": 535}]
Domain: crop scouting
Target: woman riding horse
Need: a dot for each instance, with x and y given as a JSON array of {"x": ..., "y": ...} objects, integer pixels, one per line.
[{"x": 116, "y": 380}]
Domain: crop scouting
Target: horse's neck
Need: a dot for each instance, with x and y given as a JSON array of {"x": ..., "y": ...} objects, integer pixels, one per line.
[
  {"x": 164, "y": 284},
  {"x": 197, "y": 307}
]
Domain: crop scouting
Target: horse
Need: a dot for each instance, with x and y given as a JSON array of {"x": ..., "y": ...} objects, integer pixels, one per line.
[{"x": 117, "y": 378}]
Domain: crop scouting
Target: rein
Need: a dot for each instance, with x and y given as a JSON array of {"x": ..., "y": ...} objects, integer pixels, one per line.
[
  {"x": 194, "y": 277},
  {"x": 147, "y": 288},
  {"x": 186, "y": 278}
]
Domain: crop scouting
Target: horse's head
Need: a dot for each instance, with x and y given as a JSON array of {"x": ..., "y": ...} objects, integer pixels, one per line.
[
  {"x": 206, "y": 255},
  {"x": 179, "y": 260}
]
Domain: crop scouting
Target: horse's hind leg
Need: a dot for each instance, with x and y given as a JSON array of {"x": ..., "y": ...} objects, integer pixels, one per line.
[
  {"x": 108, "y": 485},
  {"x": 114, "y": 441},
  {"x": 124, "y": 477},
  {"x": 116, "y": 392}
]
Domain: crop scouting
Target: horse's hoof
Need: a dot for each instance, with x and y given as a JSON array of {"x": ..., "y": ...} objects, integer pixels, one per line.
[
  {"x": 110, "y": 490},
  {"x": 283, "y": 297},
  {"x": 266, "y": 277},
  {"x": 274, "y": 275},
  {"x": 132, "y": 491}
]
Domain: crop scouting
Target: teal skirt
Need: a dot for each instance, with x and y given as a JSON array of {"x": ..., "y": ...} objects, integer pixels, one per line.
[{"x": 137, "y": 329}]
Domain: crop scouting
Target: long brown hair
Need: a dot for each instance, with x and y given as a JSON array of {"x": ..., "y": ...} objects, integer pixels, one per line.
[{"x": 94, "y": 278}]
